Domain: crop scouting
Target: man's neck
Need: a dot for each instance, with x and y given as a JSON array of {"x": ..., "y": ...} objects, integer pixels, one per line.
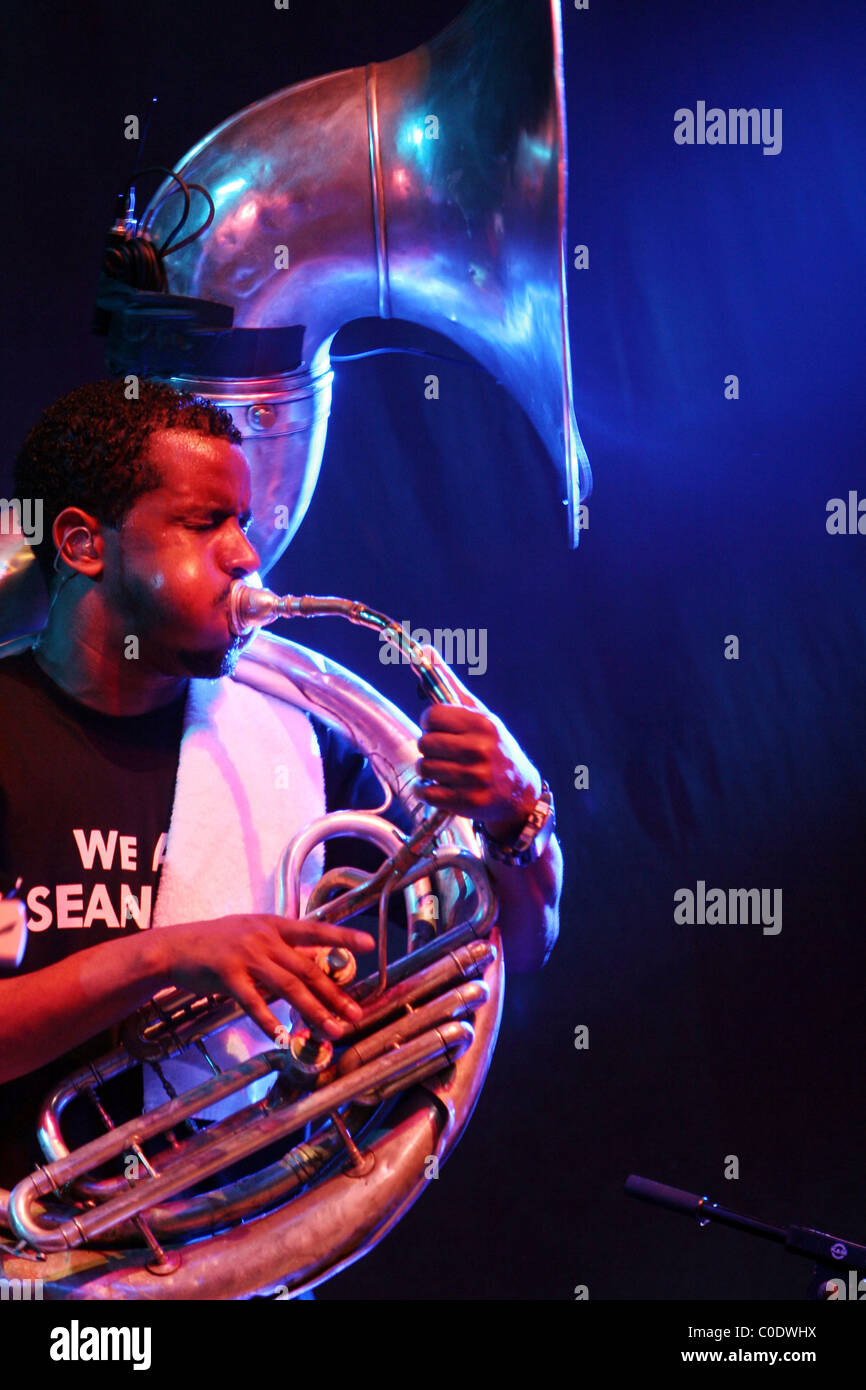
[{"x": 85, "y": 674}]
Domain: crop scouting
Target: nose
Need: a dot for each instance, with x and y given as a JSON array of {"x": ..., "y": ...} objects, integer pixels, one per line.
[{"x": 243, "y": 556}]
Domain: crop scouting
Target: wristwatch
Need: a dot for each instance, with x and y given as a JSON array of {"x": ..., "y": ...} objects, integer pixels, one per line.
[{"x": 532, "y": 841}]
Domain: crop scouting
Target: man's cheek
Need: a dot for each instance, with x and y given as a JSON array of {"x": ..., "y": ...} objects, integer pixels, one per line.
[
  {"x": 183, "y": 569},
  {"x": 181, "y": 588}
]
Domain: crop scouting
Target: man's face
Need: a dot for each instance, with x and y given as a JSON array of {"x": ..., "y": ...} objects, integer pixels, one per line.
[{"x": 170, "y": 567}]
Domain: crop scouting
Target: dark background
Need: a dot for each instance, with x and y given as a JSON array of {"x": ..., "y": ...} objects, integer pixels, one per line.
[{"x": 708, "y": 519}]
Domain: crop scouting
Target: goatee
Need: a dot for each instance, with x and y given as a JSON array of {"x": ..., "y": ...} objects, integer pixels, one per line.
[{"x": 212, "y": 665}]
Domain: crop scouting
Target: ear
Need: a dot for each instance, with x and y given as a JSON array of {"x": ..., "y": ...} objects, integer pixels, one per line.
[{"x": 77, "y": 537}]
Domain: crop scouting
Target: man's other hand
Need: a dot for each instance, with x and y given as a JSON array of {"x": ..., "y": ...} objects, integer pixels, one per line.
[{"x": 250, "y": 954}]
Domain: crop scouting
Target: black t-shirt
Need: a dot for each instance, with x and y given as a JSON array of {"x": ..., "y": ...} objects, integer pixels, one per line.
[{"x": 85, "y": 805}]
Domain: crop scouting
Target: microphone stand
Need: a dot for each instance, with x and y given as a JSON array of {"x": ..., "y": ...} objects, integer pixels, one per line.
[{"x": 830, "y": 1253}]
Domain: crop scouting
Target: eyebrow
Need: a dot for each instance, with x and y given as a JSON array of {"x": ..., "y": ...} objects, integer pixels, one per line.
[{"x": 216, "y": 509}]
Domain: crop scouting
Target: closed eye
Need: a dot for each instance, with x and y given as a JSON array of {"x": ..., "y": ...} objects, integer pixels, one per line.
[{"x": 245, "y": 522}]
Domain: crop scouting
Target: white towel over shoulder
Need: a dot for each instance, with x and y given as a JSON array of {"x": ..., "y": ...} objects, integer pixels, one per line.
[{"x": 249, "y": 778}]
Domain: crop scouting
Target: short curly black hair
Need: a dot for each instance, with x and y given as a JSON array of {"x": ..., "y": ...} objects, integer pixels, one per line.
[{"x": 89, "y": 450}]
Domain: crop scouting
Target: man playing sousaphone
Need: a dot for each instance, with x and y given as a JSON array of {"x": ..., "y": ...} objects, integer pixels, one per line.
[{"x": 120, "y": 722}]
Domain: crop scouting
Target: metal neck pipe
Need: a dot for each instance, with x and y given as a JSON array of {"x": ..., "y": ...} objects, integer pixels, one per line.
[{"x": 252, "y": 607}]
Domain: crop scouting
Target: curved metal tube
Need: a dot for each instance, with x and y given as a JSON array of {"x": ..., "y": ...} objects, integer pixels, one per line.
[{"x": 418, "y": 1057}]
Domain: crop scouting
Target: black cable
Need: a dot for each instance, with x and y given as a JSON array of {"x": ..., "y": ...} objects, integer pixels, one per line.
[
  {"x": 163, "y": 249},
  {"x": 193, "y": 236},
  {"x": 139, "y": 262},
  {"x": 161, "y": 169}
]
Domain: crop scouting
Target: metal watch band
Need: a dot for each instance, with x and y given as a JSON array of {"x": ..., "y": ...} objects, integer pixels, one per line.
[{"x": 532, "y": 840}]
